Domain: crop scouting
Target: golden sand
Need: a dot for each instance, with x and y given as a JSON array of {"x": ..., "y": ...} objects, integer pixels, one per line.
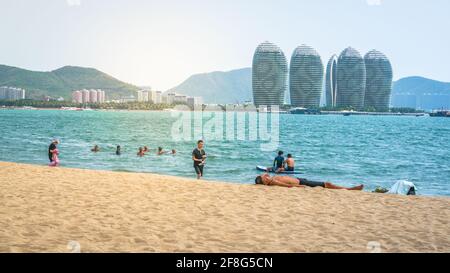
[{"x": 47, "y": 209}]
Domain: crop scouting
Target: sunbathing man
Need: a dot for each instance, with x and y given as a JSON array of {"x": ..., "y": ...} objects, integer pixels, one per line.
[{"x": 290, "y": 182}]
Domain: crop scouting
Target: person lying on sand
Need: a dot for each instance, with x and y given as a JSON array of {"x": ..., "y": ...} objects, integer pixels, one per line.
[{"x": 290, "y": 182}]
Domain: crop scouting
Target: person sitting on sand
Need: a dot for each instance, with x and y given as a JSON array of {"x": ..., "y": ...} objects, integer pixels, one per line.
[
  {"x": 290, "y": 182},
  {"x": 289, "y": 164},
  {"x": 141, "y": 152},
  {"x": 96, "y": 149},
  {"x": 118, "y": 150}
]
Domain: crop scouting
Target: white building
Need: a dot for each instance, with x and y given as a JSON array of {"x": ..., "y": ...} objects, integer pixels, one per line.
[
  {"x": 77, "y": 97},
  {"x": 180, "y": 99},
  {"x": 12, "y": 93},
  {"x": 158, "y": 97},
  {"x": 93, "y": 96},
  {"x": 101, "y": 96},
  {"x": 85, "y": 96},
  {"x": 143, "y": 95},
  {"x": 170, "y": 98},
  {"x": 194, "y": 101},
  {"x": 89, "y": 96}
]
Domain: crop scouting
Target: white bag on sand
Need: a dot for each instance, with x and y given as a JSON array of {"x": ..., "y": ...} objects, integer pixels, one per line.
[{"x": 402, "y": 187}]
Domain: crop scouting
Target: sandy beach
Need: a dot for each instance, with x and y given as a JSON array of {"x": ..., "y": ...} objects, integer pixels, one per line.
[{"x": 47, "y": 209}]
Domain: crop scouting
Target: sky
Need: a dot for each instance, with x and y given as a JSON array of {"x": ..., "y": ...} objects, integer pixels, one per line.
[{"x": 162, "y": 43}]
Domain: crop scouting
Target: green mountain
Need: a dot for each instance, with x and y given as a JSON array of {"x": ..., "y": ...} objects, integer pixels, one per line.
[
  {"x": 219, "y": 87},
  {"x": 421, "y": 93},
  {"x": 62, "y": 82}
]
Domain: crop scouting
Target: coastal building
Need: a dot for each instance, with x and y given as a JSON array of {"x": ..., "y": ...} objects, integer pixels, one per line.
[
  {"x": 351, "y": 79},
  {"x": 158, "y": 97},
  {"x": 269, "y": 75},
  {"x": 305, "y": 77},
  {"x": 89, "y": 96},
  {"x": 77, "y": 97},
  {"x": 170, "y": 98},
  {"x": 85, "y": 96},
  {"x": 194, "y": 101},
  {"x": 126, "y": 99},
  {"x": 378, "y": 81},
  {"x": 143, "y": 95},
  {"x": 331, "y": 82},
  {"x": 101, "y": 96},
  {"x": 93, "y": 96},
  {"x": 12, "y": 93},
  {"x": 180, "y": 99}
]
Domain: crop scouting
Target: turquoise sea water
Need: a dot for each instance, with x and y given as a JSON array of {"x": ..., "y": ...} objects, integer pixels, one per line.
[{"x": 376, "y": 151}]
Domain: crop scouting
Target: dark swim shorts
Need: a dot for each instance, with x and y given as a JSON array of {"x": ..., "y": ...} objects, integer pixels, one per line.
[{"x": 306, "y": 182}]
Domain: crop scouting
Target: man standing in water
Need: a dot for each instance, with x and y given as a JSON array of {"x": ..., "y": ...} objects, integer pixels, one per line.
[
  {"x": 199, "y": 157},
  {"x": 51, "y": 149}
]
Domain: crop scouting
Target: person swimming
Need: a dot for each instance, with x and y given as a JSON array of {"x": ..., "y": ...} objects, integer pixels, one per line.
[
  {"x": 160, "y": 151},
  {"x": 95, "y": 149},
  {"x": 118, "y": 150},
  {"x": 141, "y": 152},
  {"x": 146, "y": 149}
]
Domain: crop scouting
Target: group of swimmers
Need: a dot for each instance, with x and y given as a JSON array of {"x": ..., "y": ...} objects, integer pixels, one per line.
[{"x": 142, "y": 151}]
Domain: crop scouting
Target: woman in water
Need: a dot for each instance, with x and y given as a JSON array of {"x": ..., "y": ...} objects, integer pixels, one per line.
[
  {"x": 146, "y": 150},
  {"x": 118, "y": 152},
  {"x": 55, "y": 159}
]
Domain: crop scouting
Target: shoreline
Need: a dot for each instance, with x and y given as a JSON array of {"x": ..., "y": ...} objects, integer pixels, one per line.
[
  {"x": 44, "y": 209},
  {"x": 326, "y": 113}
]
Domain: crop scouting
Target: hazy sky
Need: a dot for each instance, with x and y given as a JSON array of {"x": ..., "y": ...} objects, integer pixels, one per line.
[{"x": 161, "y": 43}]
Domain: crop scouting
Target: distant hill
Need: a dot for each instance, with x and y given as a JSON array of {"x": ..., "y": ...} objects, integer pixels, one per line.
[
  {"x": 421, "y": 93},
  {"x": 219, "y": 87},
  {"x": 235, "y": 87},
  {"x": 61, "y": 82}
]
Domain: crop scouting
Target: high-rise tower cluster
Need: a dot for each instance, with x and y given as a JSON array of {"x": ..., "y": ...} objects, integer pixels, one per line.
[{"x": 351, "y": 81}]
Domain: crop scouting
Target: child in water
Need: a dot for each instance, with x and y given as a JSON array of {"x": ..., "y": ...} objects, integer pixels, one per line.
[{"x": 55, "y": 159}]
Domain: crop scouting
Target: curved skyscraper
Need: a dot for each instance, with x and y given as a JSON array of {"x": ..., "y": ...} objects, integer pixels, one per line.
[
  {"x": 378, "y": 81},
  {"x": 351, "y": 79},
  {"x": 305, "y": 77},
  {"x": 269, "y": 79},
  {"x": 331, "y": 81}
]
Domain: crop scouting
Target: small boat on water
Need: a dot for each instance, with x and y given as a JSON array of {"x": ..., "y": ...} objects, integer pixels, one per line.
[
  {"x": 304, "y": 111},
  {"x": 442, "y": 113}
]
